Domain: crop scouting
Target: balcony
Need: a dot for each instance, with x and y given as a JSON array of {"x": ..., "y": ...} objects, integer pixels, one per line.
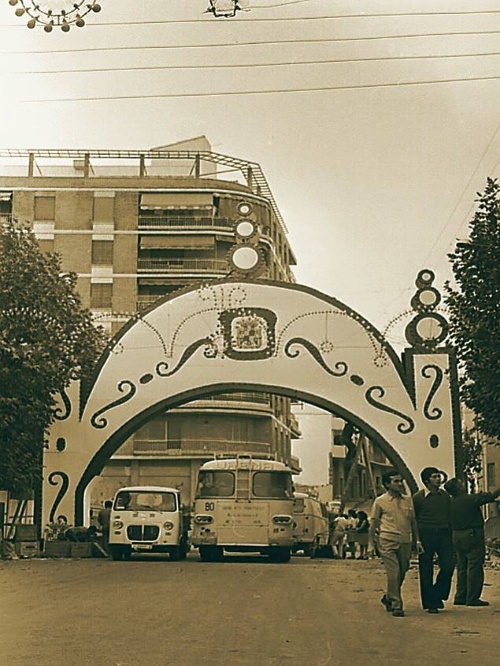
[
  {"x": 197, "y": 447},
  {"x": 185, "y": 222},
  {"x": 183, "y": 266}
]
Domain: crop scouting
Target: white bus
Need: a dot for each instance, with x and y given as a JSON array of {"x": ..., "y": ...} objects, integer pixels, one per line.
[
  {"x": 148, "y": 519},
  {"x": 243, "y": 504}
]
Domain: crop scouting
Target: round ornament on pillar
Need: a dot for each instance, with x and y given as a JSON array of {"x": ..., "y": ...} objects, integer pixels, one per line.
[{"x": 428, "y": 329}]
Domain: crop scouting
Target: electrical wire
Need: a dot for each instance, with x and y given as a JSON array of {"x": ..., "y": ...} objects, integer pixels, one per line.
[
  {"x": 287, "y": 19},
  {"x": 466, "y": 187},
  {"x": 397, "y": 84},
  {"x": 317, "y": 40},
  {"x": 257, "y": 65}
]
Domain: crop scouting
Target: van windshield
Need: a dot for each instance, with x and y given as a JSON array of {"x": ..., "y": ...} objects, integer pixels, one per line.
[{"x": 145, "y": 501}]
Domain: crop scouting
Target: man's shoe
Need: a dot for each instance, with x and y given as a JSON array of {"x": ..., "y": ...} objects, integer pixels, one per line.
[
  {"x": 433, "y": 611},
  {"x": 387, "y": 603},
  {"x": 478, "y": 602},
  {"x": 398, "y": 612},
  {"x": 440, "y": 604},
  {"x": 457, "y": 602}
]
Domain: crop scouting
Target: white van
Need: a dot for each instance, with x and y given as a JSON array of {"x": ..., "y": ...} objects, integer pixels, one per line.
[
  {"x": 311, "y": 526},
  {"x": 148, "y": 519}
]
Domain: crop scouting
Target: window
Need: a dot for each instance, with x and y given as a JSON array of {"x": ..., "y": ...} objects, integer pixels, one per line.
[
  {"x": 101, "y": 295},
  {"x": 272, "y": 484},
  {"x": 215, "y": 484},
  {"x": 491, "y": 475},
  {"x": 102, "y": 253},
  {"x": 45, "y": 208},
  {"x": 104, "y": 208}
]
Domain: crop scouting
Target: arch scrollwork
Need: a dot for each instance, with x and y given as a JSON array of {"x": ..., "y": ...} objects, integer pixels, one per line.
[
  {"x": 97, "y": 420},
  {"x": 403, "y": 428},
  {"x": 62, "y": 491},
  {"x": 162, "y": 368},
  {"x": 341, "y": 368},
  {"x": 435, "y": 412},
  {"x": 59, "y": 414}
]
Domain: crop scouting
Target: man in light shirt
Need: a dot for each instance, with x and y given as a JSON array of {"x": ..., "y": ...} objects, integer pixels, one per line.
[{"x": 394, "y": 525}]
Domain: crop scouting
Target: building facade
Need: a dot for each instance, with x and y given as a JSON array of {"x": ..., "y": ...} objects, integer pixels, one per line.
[{"x": 135, "y": 227}]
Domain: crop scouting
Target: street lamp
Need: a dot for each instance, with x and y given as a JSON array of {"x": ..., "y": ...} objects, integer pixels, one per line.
[
  {"x": 50, "y": 13},
  {"x": 226, "y": 8}
]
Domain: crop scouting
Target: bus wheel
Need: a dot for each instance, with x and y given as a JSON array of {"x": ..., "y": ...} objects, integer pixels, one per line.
[
  {"x": 206, "y": 553},
  {"x": 279, "y": 554},
  {"x": 211, "y": 553}
]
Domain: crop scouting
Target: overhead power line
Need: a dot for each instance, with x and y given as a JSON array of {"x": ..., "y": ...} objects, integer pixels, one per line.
[
  {"x": 317, "y": 40},
  {"x": 397, "y": 84},
  {"x": 287, "y": 19},
  {"x": 289, "y": 63}
]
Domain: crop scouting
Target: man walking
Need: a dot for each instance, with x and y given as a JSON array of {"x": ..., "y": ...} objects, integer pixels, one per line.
[
  {"x": 393, "y": 524},
  {"x": 104, "y": 519},
  {"x": 468, "y": 538},
  {"x": 432, "y": 509}
]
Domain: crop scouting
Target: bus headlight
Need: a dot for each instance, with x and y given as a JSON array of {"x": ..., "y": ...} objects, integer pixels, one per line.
[
  {"x": 168, "y": 525},
  {"x": 202, "y": 519},
  {"x": 282, "y": 520},
  {"x": 117, "y": 524}
]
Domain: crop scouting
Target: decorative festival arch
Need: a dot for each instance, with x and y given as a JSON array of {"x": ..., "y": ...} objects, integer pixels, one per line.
[{"x": 258, "y": 335}]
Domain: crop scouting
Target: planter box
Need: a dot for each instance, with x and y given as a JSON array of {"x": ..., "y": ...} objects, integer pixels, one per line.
[
  {"x": 27, "y": 548},
  {"x": 83, "y": 549},
  {"x": 25, "y": 533},
  {"x": 57, "y": 549}
]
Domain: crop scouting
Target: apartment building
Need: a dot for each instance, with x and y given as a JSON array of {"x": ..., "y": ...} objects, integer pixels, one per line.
[{"x": 138, "y": 225}]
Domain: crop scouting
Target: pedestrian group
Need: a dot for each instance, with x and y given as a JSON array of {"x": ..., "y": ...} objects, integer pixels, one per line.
[{"x": 442, "y": 525}]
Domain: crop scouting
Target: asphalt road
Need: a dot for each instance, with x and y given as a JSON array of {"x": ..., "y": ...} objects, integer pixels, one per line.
[{"x": 241, "y": 612}]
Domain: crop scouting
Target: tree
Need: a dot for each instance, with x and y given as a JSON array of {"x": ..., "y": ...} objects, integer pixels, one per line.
[
  {"x": 474, "y": 306},
  {"x": 47, "y": 339}
]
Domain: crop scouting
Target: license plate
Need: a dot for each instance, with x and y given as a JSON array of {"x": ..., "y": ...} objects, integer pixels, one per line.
[{"x": 142, "y": 546}]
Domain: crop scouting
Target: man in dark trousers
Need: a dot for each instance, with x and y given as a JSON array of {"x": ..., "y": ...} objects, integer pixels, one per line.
[
  {"x": 104, "y": 519},
  {"x": 432, "y": 509},
  {"x": 468, "y": 538}
]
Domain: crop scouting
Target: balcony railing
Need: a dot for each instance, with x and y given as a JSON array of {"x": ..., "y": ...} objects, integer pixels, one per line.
[
  {"x": 172, "y": 221},
  {"x": 197, "y": 446},
  {"x": 184, "y": 265},
  {"x": 247, "y": 396}
]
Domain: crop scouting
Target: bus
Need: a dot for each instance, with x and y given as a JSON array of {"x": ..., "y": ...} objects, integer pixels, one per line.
[
  {"x": 148, "y": 519},
  {"x": 243, "y": 504}
]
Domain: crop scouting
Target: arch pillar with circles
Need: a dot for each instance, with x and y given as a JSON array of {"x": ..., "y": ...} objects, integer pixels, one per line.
[{"x": 250, "y": 335}]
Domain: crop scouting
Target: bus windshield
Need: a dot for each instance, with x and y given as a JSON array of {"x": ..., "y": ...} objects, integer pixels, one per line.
[
  {"x": 215, "y": 484},
  {"x": 277, "y": 485},
  {"x": 145, "y": 501}
]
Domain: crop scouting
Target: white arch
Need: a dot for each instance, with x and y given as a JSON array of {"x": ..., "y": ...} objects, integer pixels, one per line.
[{"x": 277, "y": 337}]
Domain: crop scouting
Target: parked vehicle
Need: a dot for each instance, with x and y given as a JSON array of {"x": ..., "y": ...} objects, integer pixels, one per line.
[
  {"x": 243, "y": 504},
  {"x": 148, "y": 519},
  {"x": 311, "y": 526}
]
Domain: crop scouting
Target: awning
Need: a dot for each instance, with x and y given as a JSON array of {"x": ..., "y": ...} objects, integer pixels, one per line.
[
  {"x": 177, "y": 242},
  {"x": 180, "y": 200}
]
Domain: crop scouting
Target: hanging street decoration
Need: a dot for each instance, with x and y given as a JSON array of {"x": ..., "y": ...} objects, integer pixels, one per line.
[{"x": 55, "y": 13}]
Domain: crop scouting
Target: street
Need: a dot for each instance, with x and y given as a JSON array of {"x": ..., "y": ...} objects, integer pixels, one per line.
[{"x": 241, "y": 612}]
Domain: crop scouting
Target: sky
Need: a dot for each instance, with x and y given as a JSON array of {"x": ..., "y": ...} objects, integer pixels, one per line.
[{"x": 375, "y": 122}]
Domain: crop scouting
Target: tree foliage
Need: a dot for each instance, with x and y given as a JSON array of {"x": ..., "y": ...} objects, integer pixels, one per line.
[
  {"x": 474, "y": 305},
  {"x": 47, "y": 339}
]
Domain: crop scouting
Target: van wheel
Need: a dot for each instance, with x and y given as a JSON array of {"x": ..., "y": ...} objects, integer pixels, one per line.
[
  {"x": 116, "y": 552},
  {"x": 175, "y": 554}
]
